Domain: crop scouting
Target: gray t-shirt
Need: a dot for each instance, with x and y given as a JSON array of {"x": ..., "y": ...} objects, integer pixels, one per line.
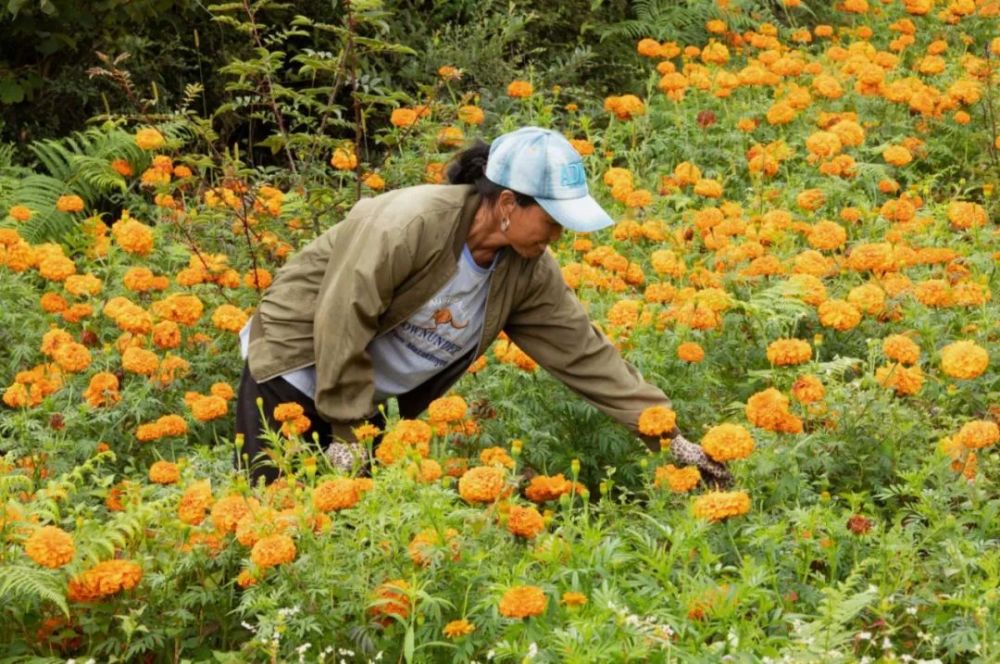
[{"x": 440, "y": 332}]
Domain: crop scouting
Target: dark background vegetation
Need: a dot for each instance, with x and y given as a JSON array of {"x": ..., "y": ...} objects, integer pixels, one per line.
[{"x": 150, "y": 51}]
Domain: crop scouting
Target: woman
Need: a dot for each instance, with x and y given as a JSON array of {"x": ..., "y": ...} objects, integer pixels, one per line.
[{"x": 400, "y": 297}]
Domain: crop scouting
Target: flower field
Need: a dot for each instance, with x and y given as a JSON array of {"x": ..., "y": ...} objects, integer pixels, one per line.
[{"x": 804, "y": 259}]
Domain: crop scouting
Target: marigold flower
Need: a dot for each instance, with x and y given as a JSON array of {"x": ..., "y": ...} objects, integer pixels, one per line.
[
  {"x": 446, "y": 409},
  {"x": 524, "y": 522},
  {"x": 625, "y": 107},
  {"x": 496, "y": 456},
  {"x": 690, "y": 351},
  {"x": 273, "y": 550},
  {"x": 403, "y": 117},
  {"x": 70, "y": 203},
  {"x": 50, "y": 546},
  {"x": 421, "y": 547},
  {"x": 523, "y": 602},
  {"x": 140, "y": 361},
  {"x": 808, "y": 389},
  {"x": 133, "y": 236},
  {"x": 458, "y": 628},
  {"x": 678, "y": 480},
  {"x": 164, "y": 472},
  {"x": 391, "y": 600},
  {"x": 472, "y": 115},
  {"x": 195, "y": 502},
  {"x": 839, "y": 314},
  {"x": 769, "y": 409},
  {"x": 148, "y": 138},
  {"x": 788, "y": 352},
  {"x": 336, "y": 495},
  {"x": 718, "y": 505},
  {"x": 964, "y": 360},
  {"x": 520, "y": 89},
  {"x": 72, "y": 357},
  {"x": 102, "y": 390},
  {"x": 978, "y": 434},
  {"x": 571, "y": 599},
  {"x": 229, "y": 318},
  {"x": 727, "y": 442},
  {"x": 906, "y": 381},
  {"x": 657, "y": 421},
  {"x": 482, "y": 484},
  {"x": 20, "y": 213},
  {"x": 344, "y": 159},
  {"x": 543, "y": 488},
  {"x": 103, "y": 580},
  {"x": 209, "y": 408},
  {"x": 900, "y": 348}
]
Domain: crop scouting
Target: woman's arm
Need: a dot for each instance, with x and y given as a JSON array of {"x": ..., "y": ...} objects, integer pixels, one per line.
[{"x": 551, "y": 325}]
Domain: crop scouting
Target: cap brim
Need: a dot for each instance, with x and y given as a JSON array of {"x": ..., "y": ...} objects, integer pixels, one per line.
[{"x": 583, "y": 215}]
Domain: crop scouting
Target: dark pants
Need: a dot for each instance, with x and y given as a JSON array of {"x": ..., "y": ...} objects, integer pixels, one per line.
[{"x": 273, "y": 392}]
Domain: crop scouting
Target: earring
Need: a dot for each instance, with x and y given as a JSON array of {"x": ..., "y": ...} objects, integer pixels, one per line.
[{"x": 504, "y": 224}]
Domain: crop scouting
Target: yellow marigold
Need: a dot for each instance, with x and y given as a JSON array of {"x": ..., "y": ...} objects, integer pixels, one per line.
[
  {"x": 273, "y": 550},
  {"x": 344, "y": 159},
  {"x": 900, "y": 348},
  {"x": 978, "y": 434},
  {"x": 964, "y": 360},
  {"x": 447, "y": 409},
  {"x": 897, "y": 155},
  {"x": 229, "y": 318},
  {"x": 523, "y": 602},
  {"x": 140, "y": 361},
  {"x": 520, "y": 89},
  {"x": 524, "y": 522},
  {"x": 727, "y": 442},
  {"x": 148, "y": 138},
  {"x": 572, "y": 598},
  {"x": 470, "y": 114},
  {"x": 133, "y": 236},
  {"x": 496, "y": 456},
  {"x": 719, "y": 505},
  {"x": 808, "y": 389},
  {"x": 906, "y": 381},
  {"x": 69, "y": 203},
  {"x": 482, "y": 484},
  {"x": 708, "y": 188},
  {"x": 678, "y": 480},
  {"x": 366, "y": 431},
  {"x": 450, "y": 137},
  {"x": 657, "y": 421},
  {"x": 625, "y": 107},
  {"x": 104, "y": 579},
  {"x": 827, "y": 235},
  {"x": 164, "y": 472},
  {"x": 336, "y": 495},
  {"x": 50, "y": 547},
  {"x": 839, "y": 314},
  {"x": 868, "y": 298},
  {"x": 458, "y": 628},
  {"x": 963, "y": 214},
  {"x": 690, "y": 351},
  {"x": 195, "y": 502},
  {"x": 788, "y": 352}
]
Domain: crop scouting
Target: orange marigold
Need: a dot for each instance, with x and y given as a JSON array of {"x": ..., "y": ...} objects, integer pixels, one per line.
[
  {"x": 657, "y": 421},
  {"x": 808, "y": 389},
  {"x": 839, "y": 314},
  {"x": 446, "y": 409},
  {"x": 900, "y": 348},
  {"x": 195, "y": 502},
  {"x": 391, "y": 600},
  {"x": 978, "y": 434},
  {"x": 482, "y": 484},
  {"x": 905, "y": 381},
  {"x": 524, "y": 522},
  {"x": 788, "y": 352},
  {"x": 458, "y": 628},
  {"x": 690, "y": 351},
  {"x": 719, "y": 505},
  {"x": 520, "y": 89},
  {"x": 726, "y": 442},
  {"x": 523, "y": 602},
  {"x": 423, "y": 545},
  {"x": 50, "y": 546},
  {"x": 273, "y": 550},
  {"x": 164, "y": 472},
  {"x": 678, "y": 480},
  {"x": 103, "y": 580},
  {"x": 209, "y": 408},
  {"x": 338, "y": 494}
]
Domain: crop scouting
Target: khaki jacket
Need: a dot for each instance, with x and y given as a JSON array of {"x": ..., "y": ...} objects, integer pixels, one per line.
[{"x": 389, "y": 256}]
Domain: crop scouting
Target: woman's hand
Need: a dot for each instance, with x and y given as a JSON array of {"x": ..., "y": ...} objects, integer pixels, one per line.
[{"x": 691, "y": 454}]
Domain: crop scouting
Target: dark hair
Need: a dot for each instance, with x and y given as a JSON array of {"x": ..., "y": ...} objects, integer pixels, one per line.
[{"x": 469, "y": 167}]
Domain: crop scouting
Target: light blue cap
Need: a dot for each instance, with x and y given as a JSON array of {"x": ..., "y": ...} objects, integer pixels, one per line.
[{"x": 542, "y": 164}]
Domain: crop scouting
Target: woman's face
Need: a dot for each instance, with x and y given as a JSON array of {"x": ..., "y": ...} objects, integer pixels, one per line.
[{"x": 531, "y": 228}]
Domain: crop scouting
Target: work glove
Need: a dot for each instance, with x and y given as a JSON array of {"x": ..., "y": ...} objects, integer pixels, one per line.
[{"x": 688, "y": 453}]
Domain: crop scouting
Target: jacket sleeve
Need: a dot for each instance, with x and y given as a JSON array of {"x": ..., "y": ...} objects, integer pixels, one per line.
[
  {"x": 365, "y": 266},
  {"x": 551, "y": 325}
]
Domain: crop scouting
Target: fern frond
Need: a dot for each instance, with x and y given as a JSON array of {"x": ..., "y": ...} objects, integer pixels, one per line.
[{"x": 22, "y": 582}]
